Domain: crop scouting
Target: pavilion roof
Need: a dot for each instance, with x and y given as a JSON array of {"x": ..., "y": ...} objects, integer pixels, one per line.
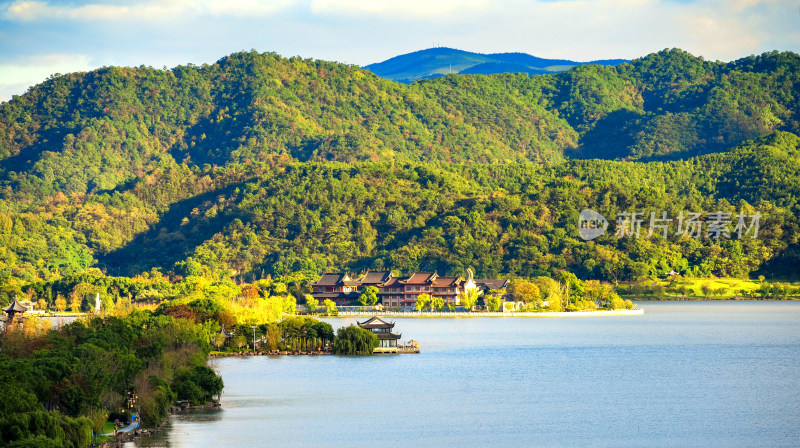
[
  {"x": 388, "y": 336},
  {"x": 375, "y": 322},
  {"x": 15, "y": 307}
]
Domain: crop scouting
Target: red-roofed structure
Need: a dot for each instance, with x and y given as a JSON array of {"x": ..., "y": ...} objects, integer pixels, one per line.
[{"x": 393, "y": 292}]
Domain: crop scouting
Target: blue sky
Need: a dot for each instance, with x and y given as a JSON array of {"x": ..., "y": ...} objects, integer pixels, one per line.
[{"x": 42, "y": 37}]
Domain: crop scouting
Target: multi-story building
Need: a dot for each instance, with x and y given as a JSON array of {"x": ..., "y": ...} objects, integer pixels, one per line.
[
  {"x": 342, "y": 289},
  {"x": 393, "y": 292},
  {"x": 337, "y": 287}
]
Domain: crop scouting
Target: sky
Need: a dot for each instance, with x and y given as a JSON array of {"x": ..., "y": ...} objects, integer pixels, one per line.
[{"x": 39, "y": 38}]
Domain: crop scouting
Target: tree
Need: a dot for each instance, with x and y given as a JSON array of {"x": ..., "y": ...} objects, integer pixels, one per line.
[
  {"x": 61, "y": 303},
  {"x": 239, "y": 341},
  {"x": 218, "y": 339},
  {"x": 274, "y": 336},
  {"x": 598, "y": 292},
  {"x": 614, "y": 302},
  {"x": 493, "y": 303},
  {"x": 706, "y": 288},
  {"x": 311, "y": 303},
  {"x": 369, "y": 296},
  {"x": 551, "y": 291},
  {"x": 98, "y": 417},
  {"x": 525, "y": 291},
  {"x": 437, "y": 303},
  {"x": 330, "y": 307},
  {"x": 575, "y": 287},
  {"x": 75, "y": 305},
  {"x": 423, "y": 300},
  {"x": 469, "y": 299},
  {"x": 41, "y": 304},
  {"x": 289, "y": 305},
  {"x": 354, "y": 340}
]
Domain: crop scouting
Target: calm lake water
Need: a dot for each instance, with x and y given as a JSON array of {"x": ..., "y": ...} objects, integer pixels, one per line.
[{"x": 683, "y": 374}]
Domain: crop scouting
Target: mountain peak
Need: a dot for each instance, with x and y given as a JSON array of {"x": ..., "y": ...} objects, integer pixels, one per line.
[{"x": 438, "y": 61}]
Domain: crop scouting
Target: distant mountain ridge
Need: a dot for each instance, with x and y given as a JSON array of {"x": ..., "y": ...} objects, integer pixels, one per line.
[{"x": 441, "y": 61}]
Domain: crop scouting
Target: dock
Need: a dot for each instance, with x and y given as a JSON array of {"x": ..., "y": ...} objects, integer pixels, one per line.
[{"x": 395, "y": 350}]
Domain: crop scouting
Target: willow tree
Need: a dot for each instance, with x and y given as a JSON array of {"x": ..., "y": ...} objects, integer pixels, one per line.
[{"x": 354, "y": 340}]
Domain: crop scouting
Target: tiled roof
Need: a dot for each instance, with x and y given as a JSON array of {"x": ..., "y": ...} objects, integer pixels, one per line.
[
  {"x": 393, "y": 282},
  {"x": 491, "y": 283},
  {"x": 419, "y": 278},
  {"x": 330, "y": 279},
  {"x": 387, "y": 336},
  {"x": 446, "y": 281},
  {"x": 335, "y": 295},
  {"x": 15, "y": 307},
  {"x": 375, "y": 322},
  {"x": 376, "y": 277}
]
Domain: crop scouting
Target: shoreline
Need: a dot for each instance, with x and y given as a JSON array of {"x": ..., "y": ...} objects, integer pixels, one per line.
[
  {"x": 712, "y": 299},
  {"x": 455, "y": 314}
]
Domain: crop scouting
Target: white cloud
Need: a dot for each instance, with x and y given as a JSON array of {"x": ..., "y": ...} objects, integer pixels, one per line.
[
  {"x": 17, "y": 76},
  {"x": 414, "y": 9},
  {"x": 26, "y": 11},
  {"x": 172, "y": 32}
]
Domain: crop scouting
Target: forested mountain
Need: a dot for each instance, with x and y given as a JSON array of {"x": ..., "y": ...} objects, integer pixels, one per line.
[
  {"x": 440, "y": 61},
  {"x": 263, "y": 165}
]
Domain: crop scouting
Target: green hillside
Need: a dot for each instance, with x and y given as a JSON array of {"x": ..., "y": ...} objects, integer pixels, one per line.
[{"x": 262, "y": 165}]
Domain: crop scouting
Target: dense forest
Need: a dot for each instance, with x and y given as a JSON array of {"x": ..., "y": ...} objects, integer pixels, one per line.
[
  {"x": 261, "y": 166},
  {"x": 60, "y": 386}
]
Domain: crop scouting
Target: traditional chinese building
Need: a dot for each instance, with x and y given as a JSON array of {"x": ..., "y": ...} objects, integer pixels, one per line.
[
  {"x": 383, "y": 330},
  {"x": 395, "y": 292},
  {"x": 374, "y": 278},
  {"x": 488, "y": 284},
  {"x": 339, "y": 288},
  {"x": 13, "y": 312}
]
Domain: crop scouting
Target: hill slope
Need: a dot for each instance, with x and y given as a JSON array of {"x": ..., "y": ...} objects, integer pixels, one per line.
[
  {"x": 97, "y": 131},
  {"x": 441, "y": 61},
  {"x": 261, "y": 164}
]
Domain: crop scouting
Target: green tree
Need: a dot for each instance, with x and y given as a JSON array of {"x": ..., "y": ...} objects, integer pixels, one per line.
[
  {"x": 98, "y": 417},
  {"x": 598, "y": 292},
  {"x": 469, "y": 299},
  {"x": 436, "y": 303},
  {"x": 289, "y": 305},
  {"x": 239, "y": 341},
  {"x": 493, "y": 303},
  {"x": 354, "y": 340},
  {"x": 311, "y": 303},
  {"x": 330, "y": 307},
  {"x": 369, "y": 296},
  {"x": 423, "y": 300}
]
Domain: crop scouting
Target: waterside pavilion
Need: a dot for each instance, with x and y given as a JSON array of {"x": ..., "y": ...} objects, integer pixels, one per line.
[{"x": 383, "y": 330}]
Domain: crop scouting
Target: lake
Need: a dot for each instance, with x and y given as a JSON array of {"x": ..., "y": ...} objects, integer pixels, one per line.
[{"x": 723, "y": 374}]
